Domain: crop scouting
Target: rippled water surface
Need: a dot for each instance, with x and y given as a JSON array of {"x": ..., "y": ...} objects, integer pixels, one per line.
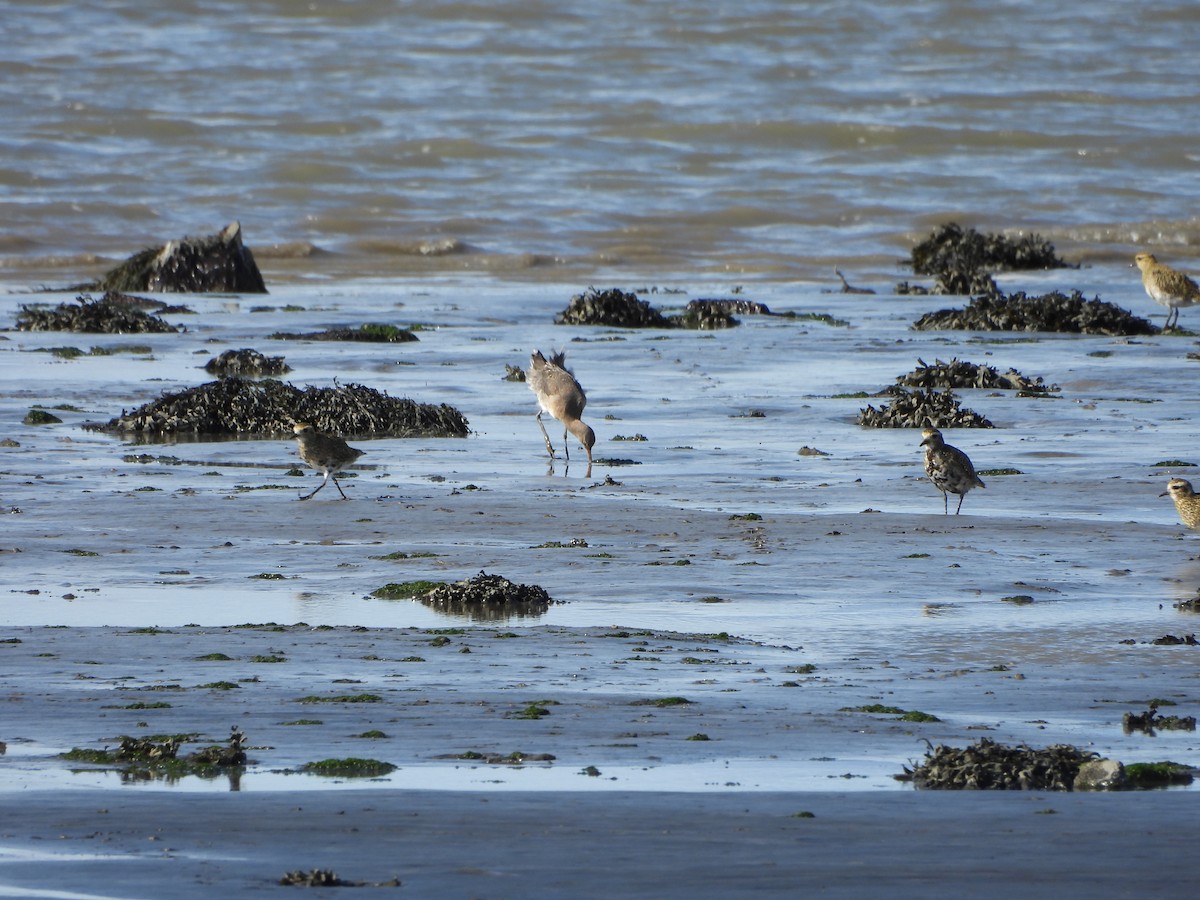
[{"x": 551, "y": 140}]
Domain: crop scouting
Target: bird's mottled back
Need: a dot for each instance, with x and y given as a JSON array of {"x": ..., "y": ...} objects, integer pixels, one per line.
[
  {"x": 1187, "y": 503},
  {"x": 950, "y": 470}
]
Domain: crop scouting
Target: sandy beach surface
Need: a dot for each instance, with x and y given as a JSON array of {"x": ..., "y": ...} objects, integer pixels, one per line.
[{"x": 727, "y": 612}]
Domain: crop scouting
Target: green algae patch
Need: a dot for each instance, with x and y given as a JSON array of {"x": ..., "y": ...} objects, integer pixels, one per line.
[
  {"x": 343, "y": 698},
  {"x": 400, "y": 554},
  {"x": 698, "y": 737},
  {"x": 405, "y": 590},
  {"x": 906, "y": 715},
  {"x": 220, "y": 686},
  {"x": 214, "y": 657},
  {"x": 1159, "y": 774},
  {"x": 350, "y": 767},
  {"x": 304, "y": 722},
  {"x": 663, "y": 702},
  {"x": 535, "y": 710},
  {"x": 273, "y": 658},
  {"x": 374, "y": 734},
  {"x": 41, "y": 417}
]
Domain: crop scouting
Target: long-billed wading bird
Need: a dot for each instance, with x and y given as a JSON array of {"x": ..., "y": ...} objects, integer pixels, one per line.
[
  {"x": 559, "y": 394},
  {"x": 1187, "y": 502},
  {"x": 326, "y": 453},
  {"x": 1167, "y": 287},
  {"x": 948, "y": 468}
]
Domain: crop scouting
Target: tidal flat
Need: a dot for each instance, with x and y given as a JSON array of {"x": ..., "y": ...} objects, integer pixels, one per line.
[{"x": 758, "y": 555}]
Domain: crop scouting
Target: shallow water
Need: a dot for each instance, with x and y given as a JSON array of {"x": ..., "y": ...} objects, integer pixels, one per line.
[{"x": 575, "y": 140}]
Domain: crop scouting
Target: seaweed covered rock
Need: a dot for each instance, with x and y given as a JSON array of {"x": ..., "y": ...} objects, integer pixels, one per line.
[
  {"x": 735, "y": 306},
  {"x": 371, "y": 333},
  {"x": 1055, "y": 311},
  {"x": 239, "y": 406},
  {"x": 705, "y": 315},
  {"x": 921, "y": 408},
  {"x": 486, "y": 597},
  {"x": 962, "y": 374},
  {"x": 215, "y": 263},
  {"x": 247, "y": 362},
  {"x": 111, "y": 314},
  {"x": 950, "y": 248},
  {"x": 989, "y": 766},
  {"x": 619, "y": 309},
  {"x": 611, "y": 307}
]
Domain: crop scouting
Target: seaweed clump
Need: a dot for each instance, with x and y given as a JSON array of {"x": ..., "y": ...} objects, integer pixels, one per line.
[
  {"x": 919, "y": 408},
  {"x": 989, "y": 766},
  {"x": 371, "y": 333},
  {"x": 958, "y": 253},
  {"x": 246, "y": 362},
  {"x": 239, "y": 406},
  {"x": 214, "y": 263},
  {"x": 486, "y": 597},
  {"x": 959, "y": 373},
  {"x": 1150, "y": 721},
  {"x": 111, "y": 314},
  {"x": 619, "y": 309},
  {"x": 1054, "y": 311}
]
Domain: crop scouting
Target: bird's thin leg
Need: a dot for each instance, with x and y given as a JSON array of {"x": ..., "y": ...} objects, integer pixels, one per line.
[
  {"x": 960, "y": 500},
  {"x": 566, "y": 445},
  {"x": 549, "y": 446},
  {"x": 339, "y": 487},
  {"x": 318, "y": 487},
  {"x": 945, "y": 504}
]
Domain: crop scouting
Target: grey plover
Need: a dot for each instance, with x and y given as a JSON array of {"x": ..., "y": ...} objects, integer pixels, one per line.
[
  {"x": 326, "y": 453},
  {"x": 1166, "y": 286},
  {"x": 948, "y": 468},
  {"x": 1187, "y": 501},
  {"x": 559, "y": 394}
]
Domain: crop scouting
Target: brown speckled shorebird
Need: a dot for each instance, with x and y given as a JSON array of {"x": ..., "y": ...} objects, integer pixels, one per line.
[
  {"x": 1187, "y": 502},
  {"x": 559, "y": 394},
  {"x": 1167, "y": 287},
  {"x": 326, "y": 453},
  {"x": 948, "y": 468}
]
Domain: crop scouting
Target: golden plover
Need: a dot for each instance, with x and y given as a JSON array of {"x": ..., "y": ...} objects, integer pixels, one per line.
[
  {"x": 326, "y": 453},
  {"x": 1187, "y": 501},
  {"x": 948, "y": 468},
  {"x": 1166, "y": 286},
  {"x": 559, "y": 394}
]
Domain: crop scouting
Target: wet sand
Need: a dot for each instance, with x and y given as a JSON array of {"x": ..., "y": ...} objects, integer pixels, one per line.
[
  {"x": 632, "y": 801},
  {"x": 776, "y": 592},
  {"x": 133, "y": 845}
]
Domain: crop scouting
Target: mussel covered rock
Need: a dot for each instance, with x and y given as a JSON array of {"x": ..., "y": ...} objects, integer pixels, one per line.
[
  {"x": 920, "y": 408},
  {"x": 1049, "y": 312},
  {"x": 114, "y": 313},
  {"x": 612, "y": 307},
  {"x": 239, "y": 406},
  {"x": 486, "y": 597},
  {"x": 989, "y": 766},
  {"x": 215, "y": 263}
]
